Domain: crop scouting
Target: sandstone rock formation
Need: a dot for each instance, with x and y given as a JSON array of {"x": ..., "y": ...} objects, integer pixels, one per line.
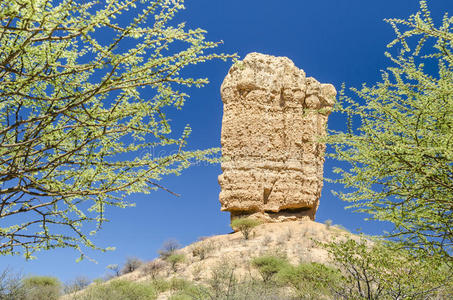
[{"x": 272, "y": 119}]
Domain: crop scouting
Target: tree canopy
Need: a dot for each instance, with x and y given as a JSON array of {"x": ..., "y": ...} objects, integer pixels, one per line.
[
  {"x": 83, "y": 90},
  {"x": 399, "y": 142},
  {"x": 372, "y": 269}
]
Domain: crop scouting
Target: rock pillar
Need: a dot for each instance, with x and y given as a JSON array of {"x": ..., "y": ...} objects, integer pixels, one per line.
[{"x": 273, "y": 118}]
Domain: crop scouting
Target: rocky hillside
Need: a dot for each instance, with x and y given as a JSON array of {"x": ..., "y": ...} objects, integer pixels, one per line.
[{"x": 198, "y": 262}]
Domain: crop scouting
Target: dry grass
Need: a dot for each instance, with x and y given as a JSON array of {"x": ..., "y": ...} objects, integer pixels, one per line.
[{"x": 295, "y": 240}]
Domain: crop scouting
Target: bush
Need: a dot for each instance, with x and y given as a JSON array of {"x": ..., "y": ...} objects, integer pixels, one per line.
[
  {"x": 187, "y": 290},
  {"x": 11, "y": 285},
  {"x": 78, "y": 284},
  {"x": 119, "y": 290},
  {"x": 222, "y": 280},
  {"x": 168, "y": 248},
  {"x": 381, "y": 270},
  {"x": 310, "y": 280},
  {"x": 328, "y": 223},
  {"x": 224, "y": 285},
  {"x": 131, "y": 264},
  {"x": 269, "y": 265},
  {"x": 153, "y": 268},
  {"x": 41, "y": 288},
  {"x": 174, "y": 260},
  {"x": 115, "y": 268},
  {"x": 202, "y": 249},
  {"x": 245, "y": 225}
]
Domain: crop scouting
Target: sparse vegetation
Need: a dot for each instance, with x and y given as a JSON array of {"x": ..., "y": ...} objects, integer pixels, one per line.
[
  {"x": 115, "y": 268},
  {"x": 11, "y": 285},
  {"x": 328, "y": 223},
  {"x": 245, "y": 225},
  {"x": 386, "y": 272},
  {"x": 75, "y": 285},
  {"x": 168, "y": 248},
  {"x": 131, "y": 264},
  {"x": 202, "y": 249},
  {"x": 175, "y": 259},
  {"x": 153, "y": 268}
]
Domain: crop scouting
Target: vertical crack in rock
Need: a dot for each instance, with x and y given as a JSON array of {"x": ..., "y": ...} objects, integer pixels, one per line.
[
  {"x": 267, "y": 192},
  {"x": 273, "y": 117}
]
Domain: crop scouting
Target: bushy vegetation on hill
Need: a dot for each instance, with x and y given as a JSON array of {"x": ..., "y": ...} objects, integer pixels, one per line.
[
  {"x": 358, "y": 268},
  {"x": 374, "y": 272}
]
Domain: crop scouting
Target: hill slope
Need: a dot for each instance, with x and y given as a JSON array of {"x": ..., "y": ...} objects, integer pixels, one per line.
[{"x": 206, "y": 258}]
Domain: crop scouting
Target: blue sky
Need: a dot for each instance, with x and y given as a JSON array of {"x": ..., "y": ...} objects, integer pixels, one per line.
[{"x": 334, "y": 41}]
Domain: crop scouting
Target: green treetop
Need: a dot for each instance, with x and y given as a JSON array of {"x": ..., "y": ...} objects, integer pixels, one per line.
[{"x": 400, "y": 155}]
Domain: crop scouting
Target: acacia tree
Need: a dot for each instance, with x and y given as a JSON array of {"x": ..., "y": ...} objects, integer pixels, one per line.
[
  {"x": 373, "y": 270},
  {"x": 400, "y": 155},
  {"x": 83, "y": 91}
]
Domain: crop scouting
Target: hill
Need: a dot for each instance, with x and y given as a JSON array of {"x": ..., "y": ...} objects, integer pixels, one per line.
[{"x": 225, "y": 260}]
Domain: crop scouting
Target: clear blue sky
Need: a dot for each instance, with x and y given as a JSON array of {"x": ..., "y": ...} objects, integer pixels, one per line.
[{"x": 334, "y": 41}]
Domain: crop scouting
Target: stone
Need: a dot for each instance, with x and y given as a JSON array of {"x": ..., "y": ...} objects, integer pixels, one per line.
[{"x": 273, "y": 117}]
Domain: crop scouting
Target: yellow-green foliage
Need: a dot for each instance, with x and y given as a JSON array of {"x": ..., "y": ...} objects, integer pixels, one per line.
[
  {"x": 245, "y": 225},
  {"x": 119, "y": 290},
  {"x": 269, "y": 265},
  {"x": 70, "y": 101},
  {"x": 41, "y": 288},
  {"x": 398, "y": 145},
  {"x": 374, "y": 269},
  {"x": 175, "y": 259},
  {"x": 310, "y": 280}
]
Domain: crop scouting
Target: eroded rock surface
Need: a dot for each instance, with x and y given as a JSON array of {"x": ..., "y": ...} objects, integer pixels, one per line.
[{"x": 273, "y": 116}]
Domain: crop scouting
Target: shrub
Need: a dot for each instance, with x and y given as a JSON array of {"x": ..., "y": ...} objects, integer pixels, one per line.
[
  {"x": 119, "y": 290},
  {"x": 115, "y": 268},
  {"x": 79, "y": 283},
  {"x": 153, "y": 268},
  {"x": 222, "y": 280},
  {"x": 187, "y": 290},
  {"x": 328, "y": 223},
  {"x": 41, "y": 288},
  {"x": 310, "y": 280},
  {"x": 11, "y": 285},
  {"x": 174, "y": 260},
  {"x": 257, "y": 289},
  {"x": 269, "y": 265},
  {"x": 245, "y": 225},
  {"x": 202, "y": 249},
  {"x": 383, "y": 271},
  {"x": 131, "y": 264},
  {"x": 168, "y": 248},
  {"x": 224, "y": 285}
]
